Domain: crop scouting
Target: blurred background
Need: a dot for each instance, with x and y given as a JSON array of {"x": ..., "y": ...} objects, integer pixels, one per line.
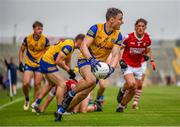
[{"x": 66, "y": 18}]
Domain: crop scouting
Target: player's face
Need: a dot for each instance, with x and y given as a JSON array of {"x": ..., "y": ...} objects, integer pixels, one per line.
[
  {"x": 140, "y": 28},
  {"x": 78, "y": 43},
  {"x": 117, "y": 21},
  {"x": 38, "y": 30}
]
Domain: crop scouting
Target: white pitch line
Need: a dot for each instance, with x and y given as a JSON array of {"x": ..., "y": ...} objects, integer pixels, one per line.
[{"x": 10, "y": 103}]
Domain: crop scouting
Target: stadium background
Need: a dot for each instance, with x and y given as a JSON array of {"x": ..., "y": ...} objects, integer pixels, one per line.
[{"x": 66, "y": 18}]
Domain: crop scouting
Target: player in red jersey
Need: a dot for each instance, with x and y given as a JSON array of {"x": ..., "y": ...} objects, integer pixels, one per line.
[{"x": 136, "y": 45}]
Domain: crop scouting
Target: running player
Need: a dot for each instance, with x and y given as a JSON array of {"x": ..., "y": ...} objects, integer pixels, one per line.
[
  {"x": 136, "y": 45},
  {"x": 35, "y": 45},
  {"x": 58, "y": 54},
  {"x": 100, "y": 41}
]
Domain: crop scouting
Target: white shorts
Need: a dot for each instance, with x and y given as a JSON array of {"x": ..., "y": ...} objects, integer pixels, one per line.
[
  {"x": 144, "y": 67},
  {"x": 137, "y": 71}
]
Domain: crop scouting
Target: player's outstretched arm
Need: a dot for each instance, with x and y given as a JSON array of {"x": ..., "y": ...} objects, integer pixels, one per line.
[{"x": 115, "y": 56}]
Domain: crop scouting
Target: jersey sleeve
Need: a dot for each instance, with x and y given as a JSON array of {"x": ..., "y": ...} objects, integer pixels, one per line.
[
  {"x": 67, "y": 49},
  {"x": 25, "y": 42},
  {"x": 47, "y": 42},
  {"x": 149, "y": 42},
  {"x": 124, "y": 41},
  {"x": 119, "y": 39},
  {"x": 92, "y": 31}
]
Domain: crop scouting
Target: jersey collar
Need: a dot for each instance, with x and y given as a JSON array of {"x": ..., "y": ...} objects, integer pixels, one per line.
[
  {"x": 108, "y": 33},
  {"x": 138, "y": 37}
]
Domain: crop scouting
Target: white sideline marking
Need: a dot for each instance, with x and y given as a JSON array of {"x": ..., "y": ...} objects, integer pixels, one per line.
[{"x": 10, "y": 103}]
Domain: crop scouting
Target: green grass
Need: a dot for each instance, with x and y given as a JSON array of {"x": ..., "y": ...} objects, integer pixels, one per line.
[{"x": 159, "y": 106}]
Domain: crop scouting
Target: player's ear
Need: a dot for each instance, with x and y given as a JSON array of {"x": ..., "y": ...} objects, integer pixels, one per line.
[{"x": 111, "y": 19}]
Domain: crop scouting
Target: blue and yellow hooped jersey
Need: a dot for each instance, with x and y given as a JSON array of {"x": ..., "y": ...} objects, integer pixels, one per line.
[
  {"x": 67, "y": 47},
  {"x": 35, "y": 49},
  {"x": 103, "y": 41}
]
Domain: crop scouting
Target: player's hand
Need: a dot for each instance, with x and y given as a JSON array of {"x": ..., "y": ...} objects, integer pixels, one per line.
[
  {"x": 123, "y": 64},
  {"x": 111, "y": 70},
  {"x": 153, "y": 65},
  {"x": 71, "y": 73},
  {"x": 21, "y": 67},
  {"x": 146, "y": 58},
  {"x": 94, "y": 63}
]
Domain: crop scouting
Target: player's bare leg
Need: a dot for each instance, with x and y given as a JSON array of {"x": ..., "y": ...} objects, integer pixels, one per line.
[
  {"x": 101, "y": 90},
  {"x": 89, "y": 83},
  {"x": 37, "y": 84},
  {"x": 46, "y": 103},
  {"x": 27, "y": 76},
  {"x": 121, "y": 92},
  {"x": 45, "y": 90},
  {"x": 80, "y": 97},
  {"x": 131, "y": 86}
]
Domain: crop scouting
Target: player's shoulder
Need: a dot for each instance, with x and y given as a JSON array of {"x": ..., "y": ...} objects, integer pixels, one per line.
[
  {"x": 68, "y": 42},
  {"x": 132, "y": 34},
  {"x": 147, "y": 36},
  {"x": 28, "y": 37}
]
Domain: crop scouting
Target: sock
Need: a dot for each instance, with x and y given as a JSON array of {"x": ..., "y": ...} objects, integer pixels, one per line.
[
  {"x": 137, "y": 96},
  {"x": 60, "y": 109},
  {"x": 27, "y": 98},
  {"x": 100, "y": 98},
  {"x": 122, "y": 90},
  {"x": 71, "y": 93},
  {"x": 121, "y": 106},
  {"x": 38, "y": 101}
]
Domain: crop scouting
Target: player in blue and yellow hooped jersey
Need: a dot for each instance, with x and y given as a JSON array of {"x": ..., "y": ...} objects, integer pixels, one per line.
[
  {"x": 101, "y": 40},
  {"x": 35, "y": 46},
  {"x": 58, "y": 54}
]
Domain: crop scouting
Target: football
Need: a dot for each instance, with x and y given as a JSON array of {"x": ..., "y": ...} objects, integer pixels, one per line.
[{"x": 102, "y": 71}]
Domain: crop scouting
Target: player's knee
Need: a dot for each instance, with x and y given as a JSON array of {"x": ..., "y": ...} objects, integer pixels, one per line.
[
  {"x": 25, "y": 83},
  {"x": 83, "y": 95},
  {"x": 36, "y": 87},
  {"x": 132, "y": 86},
  {"x": 91, "y": 82},
  {"x": 61, "y": 84},
  {"x": 37, "y": 83}
]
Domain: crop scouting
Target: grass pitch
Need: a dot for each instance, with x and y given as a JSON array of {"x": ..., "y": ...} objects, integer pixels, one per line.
[{"x": 159, "y": 106}]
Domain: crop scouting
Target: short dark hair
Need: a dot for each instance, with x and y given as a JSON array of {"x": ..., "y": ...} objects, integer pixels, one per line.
[
  {"x": 37, "y": 23},
  {"x": 79, "y": 36},
  {"x": 141, "y": 20},
  {"x": 112, "y": 12}
]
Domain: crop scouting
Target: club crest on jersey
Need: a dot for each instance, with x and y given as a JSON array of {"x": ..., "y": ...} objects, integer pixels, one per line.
[
  {"x": 113, "y": 40},
  {"x": 132, "y": 43}
]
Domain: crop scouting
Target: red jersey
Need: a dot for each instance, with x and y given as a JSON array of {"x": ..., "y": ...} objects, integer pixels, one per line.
[
  {"x": 70, "y": 84},
  {"x": 135, "y": 48}
]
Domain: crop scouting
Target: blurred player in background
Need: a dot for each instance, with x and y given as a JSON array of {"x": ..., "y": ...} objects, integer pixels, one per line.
[
  {"x": 35, "y": 46},
  {"x": 12, "y": 67},
  {"x": 136, "y": 46},
  {"x": 100, "y": 41},
  {"x": 58, "y": 54}
]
